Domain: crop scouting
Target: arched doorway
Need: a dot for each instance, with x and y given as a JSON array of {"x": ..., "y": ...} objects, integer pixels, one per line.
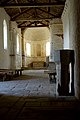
[{"x": 36, "y": 38}]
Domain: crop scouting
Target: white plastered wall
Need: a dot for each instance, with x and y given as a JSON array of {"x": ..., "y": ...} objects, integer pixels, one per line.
[
  {"x": 71, "y": 17},
  {"x": 4, "y": 54},
  {"x": 66, "y": 25}
]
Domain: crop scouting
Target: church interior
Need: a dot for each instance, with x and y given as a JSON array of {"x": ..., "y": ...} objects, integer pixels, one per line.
[{"x": 39, "y": 59}]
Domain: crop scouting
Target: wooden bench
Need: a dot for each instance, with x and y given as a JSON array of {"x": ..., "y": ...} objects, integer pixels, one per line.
[
  {"x": 2, "y": 75},
  {"x": 18, "y": 72},
  {"x": 52, "y": 75},
  {"x": 6, "y": 74},
  {"x": 9, "y": 73}
]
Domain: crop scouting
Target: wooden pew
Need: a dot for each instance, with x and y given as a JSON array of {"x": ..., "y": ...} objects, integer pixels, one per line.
[
  {"x": 18, "y": 72},
  {"x": 4, "y": 75},
  {"x": 9, "y": 73}
]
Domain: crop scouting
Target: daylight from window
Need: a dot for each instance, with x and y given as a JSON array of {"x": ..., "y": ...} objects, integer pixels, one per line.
[
  {"x": 47, "y": 48},
  {"x": 5, "y": 34},
  {"x": 17, "y": 44},
  {"x": 28, "y": 49}
]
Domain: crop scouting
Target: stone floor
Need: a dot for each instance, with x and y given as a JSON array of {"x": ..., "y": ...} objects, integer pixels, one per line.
[
  {"x": 31, "y": 83},
  {"x": 32, "y": 97}
]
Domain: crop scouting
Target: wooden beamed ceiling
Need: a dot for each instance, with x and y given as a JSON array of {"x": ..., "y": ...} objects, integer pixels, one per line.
[{"x": 33, "y": 13}]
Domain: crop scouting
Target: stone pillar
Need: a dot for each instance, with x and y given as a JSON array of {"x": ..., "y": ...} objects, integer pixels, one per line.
[
  {"x": 56, "y": 36},
  {"x": 51, "y": 42},
  {"x": 23, "y": 51},
  {"x": 12, "y": 46}
]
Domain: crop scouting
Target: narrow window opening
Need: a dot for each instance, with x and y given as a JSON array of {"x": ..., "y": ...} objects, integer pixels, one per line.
[
  {"x": 28, "y": 49},
  {"x": 5, "y": 34},
  {"x": 47, "y": 48},
  {"x": 18, "y": 44}
]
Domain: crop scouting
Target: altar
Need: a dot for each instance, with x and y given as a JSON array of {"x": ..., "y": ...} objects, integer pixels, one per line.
[{"x": 38, "y": 64}]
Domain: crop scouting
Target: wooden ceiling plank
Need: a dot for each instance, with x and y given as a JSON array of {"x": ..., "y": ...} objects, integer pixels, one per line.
[{"x": 19, "y": 14}]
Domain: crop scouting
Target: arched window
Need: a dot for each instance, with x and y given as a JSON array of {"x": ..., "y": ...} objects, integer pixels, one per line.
[
  {"x": 18, "y": 46},
  {"x": 5, "y": 34},
  {"x": 47, "y": 48},
  {"x": 28, "y": 49}
]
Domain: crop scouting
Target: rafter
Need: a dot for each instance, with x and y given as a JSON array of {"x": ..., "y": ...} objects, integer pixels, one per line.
[
  {"x": 35, "y": 19},
  {"x": 35, "y": 24},
  {"x": 27, "y": 25},
  {"x": 42, "y": 23},
  {"x": 19, "y": 14},
  {"x": 19, "y": 8},
  {"x": 29, "y": 17},
  {"x": 22, "y": 23},
  {"x": 46, "y": 12},
  {"x": 41, "y": 16},
  {"x": 25, "y": 20},
  {"x": 5, "y": 1},
  {"x": 33, "y": 13},
  {"x": 31, "y": 1},
  {"x": 49, "y": 8}
]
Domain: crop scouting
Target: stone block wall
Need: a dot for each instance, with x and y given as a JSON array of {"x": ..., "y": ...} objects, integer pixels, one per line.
[
  {"x": 71, "y": 18},
  {"x": 56, "y": 32},
  {"x": 56, "y": 36}
]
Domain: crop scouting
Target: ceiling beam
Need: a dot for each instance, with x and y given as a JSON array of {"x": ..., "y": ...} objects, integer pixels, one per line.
[
  {"x": 19, "y": 24},
  {"x": 35, "y": 22},
  {"x": 24, "y": 5},
  {"x": 27, "y": 24},
  {"x": 46, "y": 12},
  {"x": 34, "y": 19},
  {"x": 34, "y": 26},
  {"x": 42, "y": 23}
]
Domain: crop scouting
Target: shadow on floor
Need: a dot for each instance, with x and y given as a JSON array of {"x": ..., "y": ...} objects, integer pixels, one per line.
[{"x": 38, "y": 108}]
